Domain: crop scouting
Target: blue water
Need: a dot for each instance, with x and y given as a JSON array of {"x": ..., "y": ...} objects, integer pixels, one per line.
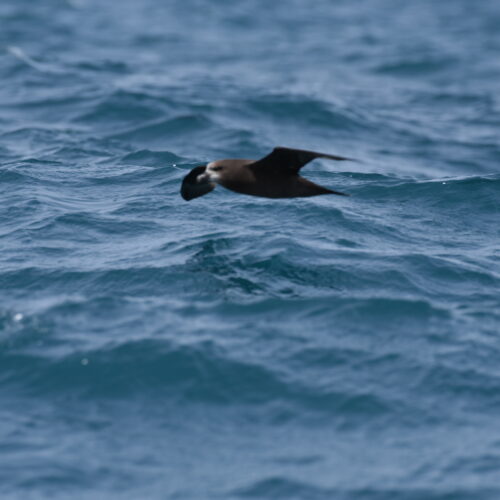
[{"x": 235, "y": 347}]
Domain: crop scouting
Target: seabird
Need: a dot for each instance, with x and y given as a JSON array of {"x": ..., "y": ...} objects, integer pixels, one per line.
[{"x": 274, "y": 176}]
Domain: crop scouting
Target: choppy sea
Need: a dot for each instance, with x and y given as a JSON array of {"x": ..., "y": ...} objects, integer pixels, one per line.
[{"x": 235, "y": 347}]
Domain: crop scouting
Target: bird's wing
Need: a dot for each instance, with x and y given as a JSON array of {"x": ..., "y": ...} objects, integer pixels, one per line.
[
  {"x": 191, "y": 188},
  {"x": 283, "y": 159}
]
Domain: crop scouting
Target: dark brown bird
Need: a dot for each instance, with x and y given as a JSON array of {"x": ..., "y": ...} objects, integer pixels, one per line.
[{"x": 274, "y": 176}]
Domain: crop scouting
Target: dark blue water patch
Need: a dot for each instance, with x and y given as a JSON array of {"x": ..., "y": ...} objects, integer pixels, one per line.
[
  {"x": 187, "y": 373},
  {"x": 80, "y": 222},
  {"x": 30, "y": 140},
  {"x": 11, "y": 175},
  {"x": 128, "y": 173},
  {"x": 480, "y": 188},
  {"x": 416, "y": 65},
  {"x": 310, "y": 112},
  {"x": 101, "y": 66},
  {"x": 153, "y": 134},
  {"x": 122, "y": 108},
  {"x": 283, "y": 487}
]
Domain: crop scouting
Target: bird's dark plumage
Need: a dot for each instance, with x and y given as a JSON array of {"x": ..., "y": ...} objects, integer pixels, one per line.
[
  {"x": 291, "y": 159},
  {"x": 274, "y": 176}
]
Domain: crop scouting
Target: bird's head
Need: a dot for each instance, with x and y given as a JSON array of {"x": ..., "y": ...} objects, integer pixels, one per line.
[{"x": 212, "y": 173}]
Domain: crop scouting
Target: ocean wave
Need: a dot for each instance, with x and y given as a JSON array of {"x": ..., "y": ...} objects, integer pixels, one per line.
[
  {"x": 157, "y": 131},
  {"x": 150, "y": 158},
  {"x": 288, "y": 488},
  {"x": 315, "y": 112},
  {"x": 478, "y": 187},
  {"x": 125, "y": 107},
  {"x": 194, "y": 373},
  {"x": 416, "y": 65}
]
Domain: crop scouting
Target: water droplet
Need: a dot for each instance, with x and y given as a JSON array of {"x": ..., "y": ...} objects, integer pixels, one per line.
[
  {"x": 84, "y": 361},
  {"x": 18, "y": 317}
]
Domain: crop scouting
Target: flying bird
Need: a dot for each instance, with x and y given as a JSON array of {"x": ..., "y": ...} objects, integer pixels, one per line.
[{"x": 274, "y": 176}]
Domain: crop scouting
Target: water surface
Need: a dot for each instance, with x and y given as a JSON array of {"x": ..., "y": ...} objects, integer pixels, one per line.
[{"x": 237, "y": 347}]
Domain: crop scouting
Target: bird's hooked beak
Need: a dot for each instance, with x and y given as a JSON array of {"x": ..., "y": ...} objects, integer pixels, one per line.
[
  {"x": 196, "y": 183},
  {"x": 204, "y": 177},
  {"x": 210, "y": 174}
]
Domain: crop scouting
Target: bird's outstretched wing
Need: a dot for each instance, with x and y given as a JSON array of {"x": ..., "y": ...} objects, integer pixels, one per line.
[{"x": 291, "y": 160}]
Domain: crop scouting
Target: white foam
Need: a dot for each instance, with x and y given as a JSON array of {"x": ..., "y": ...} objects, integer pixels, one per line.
[{"x": 22, "y": 56}]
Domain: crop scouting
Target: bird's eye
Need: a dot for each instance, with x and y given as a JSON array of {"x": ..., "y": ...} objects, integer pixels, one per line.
[{"x": 217, "y": 168}]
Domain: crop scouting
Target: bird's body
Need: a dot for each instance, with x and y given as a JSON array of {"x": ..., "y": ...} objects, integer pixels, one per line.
[{"x": 274, "y": 176}]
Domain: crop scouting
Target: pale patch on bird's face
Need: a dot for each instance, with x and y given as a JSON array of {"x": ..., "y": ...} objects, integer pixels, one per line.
[{"x": 213, "y": 171}]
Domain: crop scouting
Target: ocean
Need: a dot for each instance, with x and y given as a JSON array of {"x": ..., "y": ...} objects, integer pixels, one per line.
[{"x": 235, "y": 347}]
